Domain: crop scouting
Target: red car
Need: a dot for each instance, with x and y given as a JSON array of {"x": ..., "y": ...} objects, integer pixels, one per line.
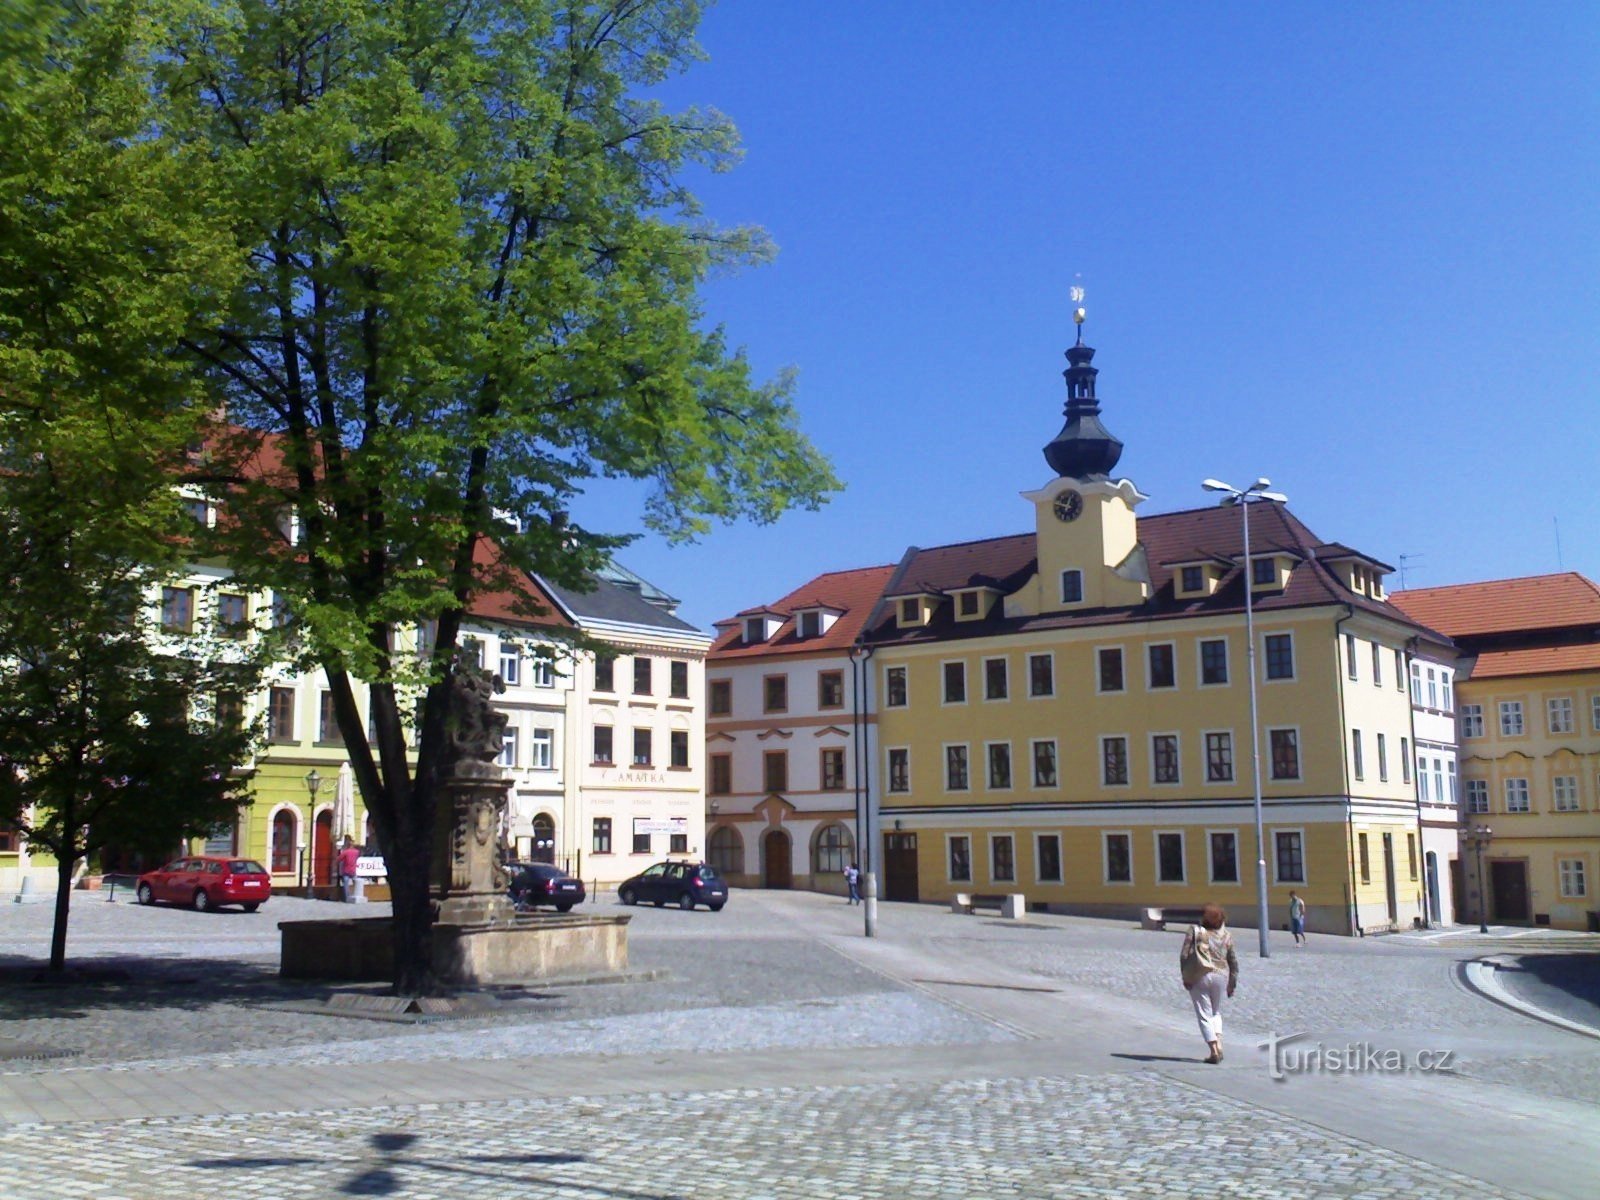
[{"x": 203, "y": 882}]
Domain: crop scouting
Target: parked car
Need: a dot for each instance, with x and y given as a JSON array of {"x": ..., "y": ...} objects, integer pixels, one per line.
[
  {"x": 682, "y": 883},
  {"x": 205, "y": 881},
  {"x": 533, "y": 884}
]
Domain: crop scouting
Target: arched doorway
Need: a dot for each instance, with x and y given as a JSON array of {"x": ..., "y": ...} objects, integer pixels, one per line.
[
  {"x": 544, "y": 838},
  {"x": 322, "y": 850},
  {"x": 725, "y": 851},
  {"x": 283, "y": 842},
  {"x": 776, "y": 853},
  {"x": 1432, "y": 860}
]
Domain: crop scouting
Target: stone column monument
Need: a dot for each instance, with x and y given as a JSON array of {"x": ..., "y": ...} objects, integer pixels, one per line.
[{"x": 472, "y": 881}]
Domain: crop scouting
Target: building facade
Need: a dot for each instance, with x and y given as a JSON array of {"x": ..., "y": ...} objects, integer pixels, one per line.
[
  {"x": 635, "y": 746},
  {"x": 789, "y": 737},
  {"x": 1433, "y": 724},
  {"x": 1066, "y": 712},
  {"x": 1527, "y": 695}
]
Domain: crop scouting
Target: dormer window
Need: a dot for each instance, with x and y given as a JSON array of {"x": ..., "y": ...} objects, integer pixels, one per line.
[
  {"x": 1072, "y": 586},
  {"x": 967, "y": 604},
  {"x": 811, "y": 624},
  {"x": 1264, "y": 572},
  {"x": 911, "y": 612},
  {"x": 755, "y": 630},
  {"x": 916, "y": 611},
  {"x": 1192, "y": 579}
]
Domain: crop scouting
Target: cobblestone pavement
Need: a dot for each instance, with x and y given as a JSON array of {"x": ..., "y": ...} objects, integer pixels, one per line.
[
  {"x": 786, "y": 974},
  {"x": 1040, "y": 1137}
]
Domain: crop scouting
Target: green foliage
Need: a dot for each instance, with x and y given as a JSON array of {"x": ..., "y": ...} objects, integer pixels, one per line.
[{"x": 439, "y": 262}]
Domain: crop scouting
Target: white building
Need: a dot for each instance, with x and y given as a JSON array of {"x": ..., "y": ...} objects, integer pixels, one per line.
[
  {"x": 634, "y": 782},
  {"x": 789, "y": 736},
  {"x": 1433, "y": 722}
]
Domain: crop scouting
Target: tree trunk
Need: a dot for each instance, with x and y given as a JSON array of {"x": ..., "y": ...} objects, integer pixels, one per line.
[
  {"x": 58, "y": 936},
  {"x": 412, "y": 905}
]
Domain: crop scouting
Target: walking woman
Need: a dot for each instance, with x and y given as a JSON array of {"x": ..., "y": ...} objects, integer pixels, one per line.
[{"x": 1209, "y": 967}]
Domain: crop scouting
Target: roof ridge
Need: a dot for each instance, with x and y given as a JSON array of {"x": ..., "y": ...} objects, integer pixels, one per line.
[{"x": 1448, "y": 587}]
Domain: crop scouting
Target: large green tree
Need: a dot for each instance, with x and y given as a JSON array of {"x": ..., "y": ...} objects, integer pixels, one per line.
[
  {"x": 105, "y": 732},
  {"x": 470, "y": 284}
]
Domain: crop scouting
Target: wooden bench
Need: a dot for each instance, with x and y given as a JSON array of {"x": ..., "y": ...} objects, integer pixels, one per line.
[
  {"x": 1011, "y": 905},
  {"x": 1159, "y": 918}
]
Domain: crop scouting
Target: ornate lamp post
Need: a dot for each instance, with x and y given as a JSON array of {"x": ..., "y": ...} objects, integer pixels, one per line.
[
  {"x": 1478, "y": 837},
  {"x": 1244, "y": 498},
  {"x": 313, "y": 782}
]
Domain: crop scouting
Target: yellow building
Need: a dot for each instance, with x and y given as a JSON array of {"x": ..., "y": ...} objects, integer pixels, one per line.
[
  {"x": 1528, "y": 708},
  {"x": 1066, "y": 712}
]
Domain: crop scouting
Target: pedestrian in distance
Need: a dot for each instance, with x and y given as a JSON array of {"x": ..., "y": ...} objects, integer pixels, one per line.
[
  {"x": 347, "y": 869},
  {"x": 1297, "y": 918},
  {"x": 852, "y": 878},
  {"x": 1210, "y": 968}
]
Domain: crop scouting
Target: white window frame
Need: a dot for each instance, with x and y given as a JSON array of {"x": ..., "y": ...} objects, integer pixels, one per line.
[
  {"x": 1205, "y": 758},
  {"x": 1511, "y": 713},
  {"x": 1294, "y": 664},
  {"x": 1383, "y": 758},
  {"x": 1033, "y": 782},
  {"x": 1569, "y": 871},
  {"x": 1358, "y": 757},
  {"x": 1377, "y": 665},
  {"x": 994, "y": 840},
  {"x": 510, "y": 664},
  {"x": 1211, "y": 866},
  {"x": 1005, "y": 664},
  {"x": 1352, "y": 665},
  {"x": 542, "y": 750},
  {"x": 1011, "y": 766},
  {"x": 949, "y": 843},
  {"x": 1038, "y": 858},
  {"x": 542, "y": 673},
  {"x": 1299, "y": 754},
  {"x": 1471, "y": 718},
  {"x": 944, "y": 683},
  {"x": 904, "y": 670},
  {"x": 1183, "y": 856},
  {"x": 1127, "y": 754},
  {"x": 944, "y": 759},
  {"x": 1177, "y": 740},
  {"x": 1523, "y": 793},
  {"x": 510, "y": 745},
  {"x": 1122, "y": 654},
  {"x": 1200, "y": 663},
  {"x": 1477, "y": 797},
  {"x": 1565, "y": 788},
  {"x": 1050, "y": 657},
  {"x": 1149, "y": 683},
  {"x": 888, "y": 770},
  {"x": 1305, "y": 861},
  {"x": 1562, "y": 706},
  {"x": 1105, "y": 858}
]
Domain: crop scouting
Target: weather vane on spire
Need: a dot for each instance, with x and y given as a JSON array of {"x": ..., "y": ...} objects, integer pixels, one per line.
[{"x": 1078, "y": 311}]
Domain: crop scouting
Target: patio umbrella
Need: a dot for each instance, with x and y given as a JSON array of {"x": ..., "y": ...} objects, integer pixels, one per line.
[{"x": 344, "y": 804}]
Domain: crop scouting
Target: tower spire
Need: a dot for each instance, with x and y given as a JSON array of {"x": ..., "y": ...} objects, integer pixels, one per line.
[{"x": 1084, "y": 448}]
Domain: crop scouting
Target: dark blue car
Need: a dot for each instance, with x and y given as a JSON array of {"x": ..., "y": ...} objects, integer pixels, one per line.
[
  {"x": 685, "y": 884},
  {"x": 533, "y": 884}
]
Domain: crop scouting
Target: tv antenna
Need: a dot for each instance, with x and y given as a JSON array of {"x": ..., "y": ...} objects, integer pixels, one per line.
[{"x": 1404, "y": 560}]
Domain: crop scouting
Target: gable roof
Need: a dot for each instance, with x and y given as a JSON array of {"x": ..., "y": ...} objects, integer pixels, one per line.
[
  {"x": 1533, "y": 602},
  {"x": 1168, "y": 540},
  {"x": 605, "y": 600},
  {"x": 853, "y": 593}
]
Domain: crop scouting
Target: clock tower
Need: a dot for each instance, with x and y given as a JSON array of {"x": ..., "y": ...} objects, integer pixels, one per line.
[{"x": 1087, "y": 538}]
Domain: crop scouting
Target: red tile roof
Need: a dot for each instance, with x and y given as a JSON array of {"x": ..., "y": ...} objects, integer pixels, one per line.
[
  {"x": 1166, "y": 540},
  {"x": 854, "y": 593},
  {"x": 1537, "y": 660},
  {"x": 1534, "y": 602}
]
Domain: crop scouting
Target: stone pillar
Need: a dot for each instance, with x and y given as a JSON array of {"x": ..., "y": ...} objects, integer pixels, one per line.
[{"x": 473, "y": 887}]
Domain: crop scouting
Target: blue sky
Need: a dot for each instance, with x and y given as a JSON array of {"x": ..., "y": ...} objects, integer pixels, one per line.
[{"x": 1354, "y": 248}]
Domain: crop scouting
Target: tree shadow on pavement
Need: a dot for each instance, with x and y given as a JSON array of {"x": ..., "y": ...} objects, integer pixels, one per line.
[
  {"x": 396, "y": 1157},
  {"x": 144, "y": 984}
]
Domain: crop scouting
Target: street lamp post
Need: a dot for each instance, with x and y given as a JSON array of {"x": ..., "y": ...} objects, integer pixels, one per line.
[
  {"x": 1478, "y": 837},
  {"x": 313, "y": 782},
  {"x": 1244, "y": 498}
]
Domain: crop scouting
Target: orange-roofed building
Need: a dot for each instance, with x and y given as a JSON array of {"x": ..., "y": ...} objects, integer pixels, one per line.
[
  {"x": 1528, "y": 705},
  {"x": 789, "y": 736}
]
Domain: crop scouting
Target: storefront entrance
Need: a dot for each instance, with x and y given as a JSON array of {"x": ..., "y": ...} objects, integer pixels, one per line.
[
  {"x": 1508, "y": 888},
  {"x": 900, "y": 866}
]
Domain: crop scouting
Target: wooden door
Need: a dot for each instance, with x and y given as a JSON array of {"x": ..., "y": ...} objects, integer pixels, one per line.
[
  {"x": 1508, "y": 882},
  {"x": 779, "y": 860},
  {"x": 900, "y": 866},
  {"x": 1388, "y": 879},
  {"x": 322, "y": 850},
  {"x": 1458, "y": 894}
]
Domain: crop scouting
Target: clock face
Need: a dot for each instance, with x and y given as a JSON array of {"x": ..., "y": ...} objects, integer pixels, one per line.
[{"x": 1068, "y": 506}]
